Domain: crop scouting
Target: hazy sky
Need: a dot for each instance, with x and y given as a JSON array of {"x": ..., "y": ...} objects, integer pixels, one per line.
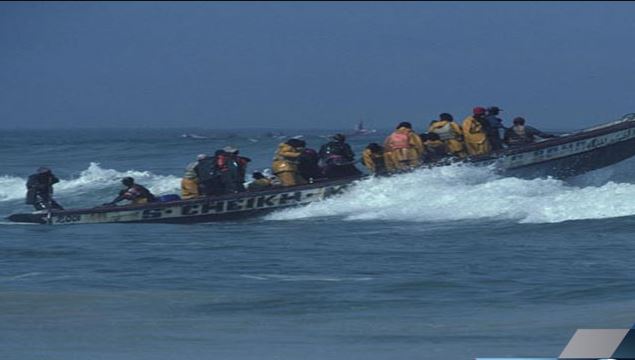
[{"x": 312, "y": 65}]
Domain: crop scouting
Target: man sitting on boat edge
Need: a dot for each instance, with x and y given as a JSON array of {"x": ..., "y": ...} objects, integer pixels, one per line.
[{"x": 519, "y": 134}]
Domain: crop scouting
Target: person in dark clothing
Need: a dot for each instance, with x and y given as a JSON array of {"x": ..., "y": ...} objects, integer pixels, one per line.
[
  {"x": 40, "y": 190},
  {"x": 308, "y": 165},
  {"x": 227, "y": 169},
  {"x": 241, "y": 162},
  {"x": 208, "y": 179},
  {"x": 136, "y": 193},
  {"x": 519, "y": 134},
  {"x": 338, "y": 158},
  {"x": 494, "y": 126}
]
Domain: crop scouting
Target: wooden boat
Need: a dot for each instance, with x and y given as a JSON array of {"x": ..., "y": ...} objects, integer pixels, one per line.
[{"x": 562, "y": 157}]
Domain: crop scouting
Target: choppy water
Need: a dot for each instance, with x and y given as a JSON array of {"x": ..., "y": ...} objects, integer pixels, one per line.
[{"x": 448, "y": 263}]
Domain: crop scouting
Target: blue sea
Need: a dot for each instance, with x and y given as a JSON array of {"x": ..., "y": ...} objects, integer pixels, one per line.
[{"x": 453, "y": 262}]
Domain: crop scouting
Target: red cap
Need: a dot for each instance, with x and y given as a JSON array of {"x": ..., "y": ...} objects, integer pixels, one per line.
[{"x": 478, "y": 110}]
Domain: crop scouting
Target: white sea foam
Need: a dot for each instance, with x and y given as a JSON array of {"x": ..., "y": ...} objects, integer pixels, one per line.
[
  {"x": 92, "y": 179},
  {"x": 463, "y": 192}
]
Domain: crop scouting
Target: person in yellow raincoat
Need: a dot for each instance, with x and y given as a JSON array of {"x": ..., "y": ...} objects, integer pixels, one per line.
[
  {"x": 373, "y": 159},
  {"x": 285, "y": 162},
  {"x": 189, "y": 183},
  {"x": 450, "y": 133},
  {"x": 475, "y": 133},
  {"x": 403, "y": 148}
]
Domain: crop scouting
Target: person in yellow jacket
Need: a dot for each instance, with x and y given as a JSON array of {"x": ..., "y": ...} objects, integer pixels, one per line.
[
  {"x": 403, "y": 148},
  {"x": 475, "y": 133},
  {"x": 373, "y": 159},
  {"x": 189, "y": 183},
  {"x": 450, "y": 133},
  {"x": 285, "y": 162}
]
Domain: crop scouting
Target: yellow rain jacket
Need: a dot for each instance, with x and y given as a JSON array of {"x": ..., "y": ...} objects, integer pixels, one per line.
[
  {"x": 402, "y": 149},
  {"x": 189, "y": 183},
  {"x": 475, "y": 137},
  {"x": 285, "y": 166},
  {"x": 373, "y": 160},
  {"x": 451, "y": 133}
]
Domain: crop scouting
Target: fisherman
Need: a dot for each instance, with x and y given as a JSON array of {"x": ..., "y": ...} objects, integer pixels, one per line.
[
  {"x": 227, "y": 168},
  {"x": 475, "y": 132},
  {"x": 519, "y": 134},
  {"x": 495, "y": 125},
  {"x": 450, "y": 133},
  {"x": 435, "y": 149},
  {"x": 308, "y": 165},
  {"x": 242, "y": 162},
  {"x": 338, "y": 158},
  {"x": 373, "y": 159},
  {"x": 403, "y": 148},
  {"x": 285, "y": 162},
  {"x": 136, "y": 193},
  {"x": 260, "y": 182},
  {"x": 190, "y": 180},
  {"x": 208, "y": 179},
  {"x": 40, "y": 190}
]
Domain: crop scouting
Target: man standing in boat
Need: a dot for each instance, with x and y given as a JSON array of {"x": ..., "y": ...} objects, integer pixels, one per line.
[
  {"x": 40, "y": 190},
  {"x": 495, "y": 124},
  {"x": 475, "y": 133}
]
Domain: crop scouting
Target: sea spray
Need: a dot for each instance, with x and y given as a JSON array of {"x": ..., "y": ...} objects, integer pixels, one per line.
[
  {"x": 458, "y": 192},
  {"x": 92, "y": 180}
]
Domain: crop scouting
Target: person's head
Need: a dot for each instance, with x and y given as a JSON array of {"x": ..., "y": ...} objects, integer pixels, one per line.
[
  {"x": 479, "y": 111},
  {"x": 127, "y": 181},
  {"x": 339, "y": 137},
  {"x": 424, "y": 137},
  {"x": 219, "y": 152},
  {"x": 43, "y": 171},
  {"x": 296, "y": 143},
  {"x": 375, "y": 148},
  {"x": 494, "y": 110},
  {"x": 519, "y": 121},
  {"x": 404, "y": 124},
  {"x": 446, "y": 117}
]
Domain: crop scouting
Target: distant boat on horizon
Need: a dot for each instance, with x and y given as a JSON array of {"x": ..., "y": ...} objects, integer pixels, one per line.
[{"x": 361, "y": 130}]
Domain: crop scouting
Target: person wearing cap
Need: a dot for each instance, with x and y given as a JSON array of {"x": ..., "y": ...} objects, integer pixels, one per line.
[
  {"x": 285, "y": 162},
  {"x": 450, "y": 133},
  {"x": 403, "y": 148},
  {"x": 40, "y": 190},
  {"x": 137, "y": 194},
  {"x": 373, "y": 159},
  {"x": 260, "y": 182},
  {"x": 475, "y": 133},
  {"x": 520, "y": 134},
  {"x": 338, "y": 158},
  {"x": 495, "y": 125}
]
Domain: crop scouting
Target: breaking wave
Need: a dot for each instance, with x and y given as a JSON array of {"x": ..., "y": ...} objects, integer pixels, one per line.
[
  {"x": 93, "y": 179},
  {"x": 463, "y": 192}
]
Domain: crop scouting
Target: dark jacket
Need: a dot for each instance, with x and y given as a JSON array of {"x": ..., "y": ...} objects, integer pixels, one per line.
[
  {"x": 515, "y": 138},
  {"x": 40, "y": 185},
  {"x": 135, "y": 193},
  {"x": 336, "y": 149}
]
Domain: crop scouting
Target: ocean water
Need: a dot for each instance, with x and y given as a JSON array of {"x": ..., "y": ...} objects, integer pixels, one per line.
[{"x": 446, "y": 263}]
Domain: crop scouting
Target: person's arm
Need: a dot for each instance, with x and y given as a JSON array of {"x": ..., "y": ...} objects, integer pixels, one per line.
[{"x": 541, "y": 134}]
